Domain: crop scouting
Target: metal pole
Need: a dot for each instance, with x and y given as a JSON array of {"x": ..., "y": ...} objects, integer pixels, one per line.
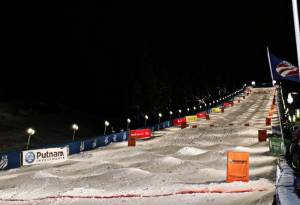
[
  {"x": 74, "y": 131},
  {"x": 270, "y": 65},
  {"x": 28, "y": 141},
  {"x": 145, "y": 123},
  {"x": 297, "y": 32},
  {"x": 104, "y": 130}
]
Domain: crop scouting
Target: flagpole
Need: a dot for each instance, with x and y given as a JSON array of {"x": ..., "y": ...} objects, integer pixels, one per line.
[
  {"x": 271, "y": 72},
  {"x": 297, "y": 32}
]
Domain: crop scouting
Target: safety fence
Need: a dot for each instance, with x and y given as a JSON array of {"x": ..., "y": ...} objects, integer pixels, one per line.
[{"x": 11, "y": 160}]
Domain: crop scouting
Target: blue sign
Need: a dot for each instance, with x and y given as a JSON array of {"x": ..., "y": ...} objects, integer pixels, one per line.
[{"x": 9, "y": 160}]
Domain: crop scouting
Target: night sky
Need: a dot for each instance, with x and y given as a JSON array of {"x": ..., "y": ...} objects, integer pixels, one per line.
[{"x": 122, "y": 58}]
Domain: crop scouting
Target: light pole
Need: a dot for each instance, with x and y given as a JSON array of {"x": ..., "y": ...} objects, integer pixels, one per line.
[
  {"x": 74, "y": 128},
  {"x": 179, "y": 112},
  {"x": 146, "y": 118},
  {"x": 171, "y": 113},
  {"x": 188, "y": 110},
  {"x": 128, "y": 123},
  {"x": 159, "y": 116},
  {"x": 194, "y": 109},
  {"x": 253, "y": 83},
  {"x": 106, "y": 124},
  {"x": 30, "y": 132}
]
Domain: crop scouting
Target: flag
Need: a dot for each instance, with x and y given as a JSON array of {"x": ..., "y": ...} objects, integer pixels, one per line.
[{"x": 283, "y": 70}]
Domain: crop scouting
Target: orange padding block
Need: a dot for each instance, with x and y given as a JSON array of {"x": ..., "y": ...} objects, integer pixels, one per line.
[{"x": 237, "y": 166}]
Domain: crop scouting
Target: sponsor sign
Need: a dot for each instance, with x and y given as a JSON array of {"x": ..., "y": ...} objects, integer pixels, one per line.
[
  {"x": 227, "y": 104},
  {"x": 201, "y": 115},
  {"x": 141, "y": 134},
  {"x": 3, "y": 162},
  {"x": 81, "y": 148},
  {"x": 191, "y": 118},
  {"x": 179, "y": 121},
  {"x": 216, "y": 110},
  {"x": 44, "y": 156},
  {"x": 237, "y": 166}
]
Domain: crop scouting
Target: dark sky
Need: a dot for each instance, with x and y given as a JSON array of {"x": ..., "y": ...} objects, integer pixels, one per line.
[{"x": 110, "y": 56}]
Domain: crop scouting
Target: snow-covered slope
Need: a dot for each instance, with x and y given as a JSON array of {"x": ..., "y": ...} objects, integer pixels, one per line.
[{"x": 179, "y": 167}]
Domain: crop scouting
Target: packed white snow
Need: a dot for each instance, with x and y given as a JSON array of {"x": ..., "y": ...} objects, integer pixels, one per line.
[{"x": 176, "y": 167}]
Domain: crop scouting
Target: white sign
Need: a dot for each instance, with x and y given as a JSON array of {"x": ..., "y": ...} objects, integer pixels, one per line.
[{"x": 44, "y": 156}]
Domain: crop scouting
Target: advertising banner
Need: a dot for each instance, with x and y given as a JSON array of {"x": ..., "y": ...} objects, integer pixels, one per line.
[
  {"x": 237, "y": 166},
  {"x": 44, "y": 156},
  {"x": 191, "y": 118},
  {"x": 216, "y": 110},
  {"x": 141, "y": 134},
  {"x": 9, "y": 160},
  {"x": 275, "y": 142},
  {"x": 179, "y": 121},
  {"x": 201, "y": 115}
]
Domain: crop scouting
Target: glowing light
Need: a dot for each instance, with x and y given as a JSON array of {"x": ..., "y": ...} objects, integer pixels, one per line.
[
  {"x": 30, "y": 131},
  {"x": 75, "y": 127},
  {"x": 106, "y": 123}
]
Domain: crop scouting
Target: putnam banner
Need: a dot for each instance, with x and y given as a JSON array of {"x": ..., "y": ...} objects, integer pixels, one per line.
[
  {"x": 191, "y": 118},
  {"x": 237, "y": 166},
  {"x": 44, "y": 156},
  {"x": 141, "y": 134}
]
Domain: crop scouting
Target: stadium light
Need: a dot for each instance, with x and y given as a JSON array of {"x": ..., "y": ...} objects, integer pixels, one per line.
[
  {"x": 187, "y": 109},
  {"x": 159, "y": 116},
  {"x": 74, "y": 128},
  {"x": 128, "y": 123},
  {"x": 171, "y": 113},
  {"x": 30, "y": 132},
  {"x": 146, "y": 118},
  {"x": 253, "y": 83},
  {"x": 194, "y": 108},
  {"x": 106, "y": 124},
  {"x": 179, "y": 112}
]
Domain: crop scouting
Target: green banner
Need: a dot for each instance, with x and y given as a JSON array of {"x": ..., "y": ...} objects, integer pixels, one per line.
[{"x": 275, "y": 145}]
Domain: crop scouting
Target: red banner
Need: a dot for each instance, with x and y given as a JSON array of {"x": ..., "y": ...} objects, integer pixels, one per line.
[
  {"x": 228, "y": 104},
  {"x": 141, "y": 134},
  {"x": 201, "y": 115},
  {"x": 179, "y": 121}
]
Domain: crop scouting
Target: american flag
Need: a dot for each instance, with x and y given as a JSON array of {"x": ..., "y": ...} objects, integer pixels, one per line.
[
  {"x": 283, "y": 70},
  {"x": 286, "y": 69}
]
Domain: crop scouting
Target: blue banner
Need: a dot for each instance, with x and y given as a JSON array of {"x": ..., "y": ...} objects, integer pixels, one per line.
[
  {"x": 90, "y": 144},
  {"x": 103, "y": 141},
  {"x": 74, "y": 147},
  {"x": 10, "y": 160},
  {"x": 119, "y": 137}
]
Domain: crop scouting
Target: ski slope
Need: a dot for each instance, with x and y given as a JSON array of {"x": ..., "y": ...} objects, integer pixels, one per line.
[{"x": 176, "y": 167}]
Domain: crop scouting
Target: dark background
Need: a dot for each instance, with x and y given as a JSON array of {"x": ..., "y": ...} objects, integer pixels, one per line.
[{"x": 120, "y": 60}]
